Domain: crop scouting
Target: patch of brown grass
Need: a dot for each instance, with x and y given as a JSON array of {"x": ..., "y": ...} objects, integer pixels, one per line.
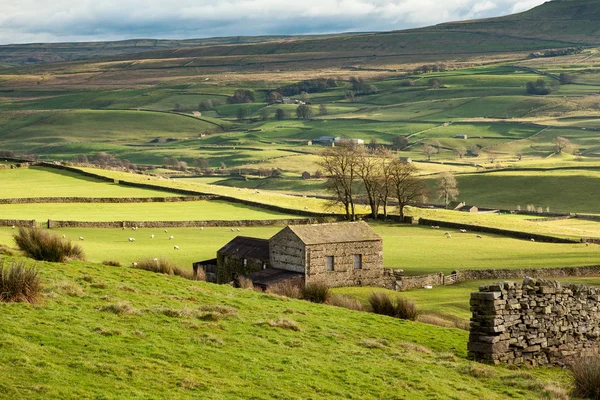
[
  {"x": 112, "y": 263},
  {"x": 120, "y": 308},
  {"x": 19, "y": 283},
  {"x": 286, "y": 289},
  {"x": 348, "y": 302}
]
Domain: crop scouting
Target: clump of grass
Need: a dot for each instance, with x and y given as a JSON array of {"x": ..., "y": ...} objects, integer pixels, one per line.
[
  {"x": 286, "y": 289},
  {"x": 70, "y": 289},
  {"x": 19, "y": 283},
  {"x": 6, "y": 251},
  {"x": 284, "y": 323},
  {"x": 244, "y": 283},
  {"x": 586, "y": 376},
  {"x": 108, "y": 332},
  {"x": 99, "y": 285},
  {"x": 219, "y": 309},
  {"x": 339, "y": 300},
  {"x": 478, "y": 371},
  {"x": 164, "y": 266},
  {"x": 46, "y": 246},
  {"x": 210, "y": 316},
  {"x": 128, "y": 289},
  {"x": 316, "y": 292},
  {"x": 112, "y": 263},
  {"x": 120, "y": 308},
  {"x": 373, "y": 344},
  {"x": 401, "y": 308},
  {"x": 177, "y": 312}
]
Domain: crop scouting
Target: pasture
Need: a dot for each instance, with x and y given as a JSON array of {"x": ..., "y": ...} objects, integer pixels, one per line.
[{"x": 417, "y": 250}]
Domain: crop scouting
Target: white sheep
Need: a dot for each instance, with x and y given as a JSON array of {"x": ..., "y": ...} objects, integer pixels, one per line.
[
  {"x": 171, "y": 237},
  {"x": 463, "y": 231},
  {"x": 134, "y": 264},
  {"x": 232, "y": 230},
  {"x": 80, "y": 237},
  {"x": 155, "y": 259},
  {"x": 166, "y": 231},
  {"x": 586, "y": 244},
  {"x": 478, "y": 236},
  {"x": 428, "y": 287},
  {"x": 152, "y": 236},
  {"x": 201, "y": 228},
  {"x": 448, "y": 236},
  {"x": 532, "y": 239},
  {"x": 64, "y": 236},
  {"x": 13, "y": 227},
  {"x": 176, "y": 247},
  {"x": 132, "y": 239},
  {"x": 238, "y": 229}
]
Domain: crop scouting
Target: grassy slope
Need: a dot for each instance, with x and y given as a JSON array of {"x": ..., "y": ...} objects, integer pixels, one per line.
[{"x": 68, "y": 347}]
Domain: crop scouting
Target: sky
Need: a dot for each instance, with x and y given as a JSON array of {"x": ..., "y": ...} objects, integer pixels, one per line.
[{"x": 32, "y": 21}]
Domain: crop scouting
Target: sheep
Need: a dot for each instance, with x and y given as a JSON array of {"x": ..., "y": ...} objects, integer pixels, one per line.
[
  {"x": 586, "y": 244},
  {"x": 13, "y": 227},
  {"x": 166, "y": 231},
  {"x": 463, "y": 231},
  {"x": 133, "y": 228},
  {"x": 80, "y": 237},
  {"x": 171, "y": 237},
  {"x": 123, "y": 228},
  {"x": 532, "y": 239},
  {"x": 64, "y": 236},
  {"x": 132, "y": 239},
  {"x": 238, "y": 229},
  {"x": 428, "y": 287},
  {"x": 176, "y": 247},
  {"x": 152, "y": 236},
  {"x": 232, "y": 230},
  {"x": 134, "y": 264},
  {"x": 201, "y": 228},
  {"x": 448, "y": 235},
  {"x": 478, "y": 236},
  {"x": 155, "y": 259}
]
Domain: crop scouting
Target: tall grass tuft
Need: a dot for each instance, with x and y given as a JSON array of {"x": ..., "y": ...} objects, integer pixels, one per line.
[
  {"x": 316, "y": 292},
  {"x": 339, "y": 300},
  {"x": 244, "y": 283},
  {"x": 19, "y": 283},
  {"x": 402, "y": 308},
  {"x": 586, "y": 374},
  {"x": 43, "y": 245},
  {"x": 287, "y": 289},
  {"x": 164, "y": 266}
]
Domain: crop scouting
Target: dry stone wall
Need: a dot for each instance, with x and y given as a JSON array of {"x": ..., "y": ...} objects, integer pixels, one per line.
[
  {"x": 18, "y": 222},
  {"x": 180, "y": 224},
  {"x": 32, "y": 200},
  {"x": 538, "y": 322}
]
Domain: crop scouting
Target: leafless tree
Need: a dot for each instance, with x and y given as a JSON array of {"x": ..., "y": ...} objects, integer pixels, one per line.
[
  {"x": 369, "y": 172},
  {"x": 561, "y": 144},
  {"x": 406, "y": 187},
  {"x": 447, "y": 188},
  {"x": 339, "y": 164},
  {"x": 429, "y": 150},
  {"x": 461, "y": 151}
]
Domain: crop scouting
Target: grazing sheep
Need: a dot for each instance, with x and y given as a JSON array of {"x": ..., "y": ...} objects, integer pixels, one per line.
[
  {"x": 171, "y": 237},
  {"x": 13, "y": 227},
  {"x": 238, "y": 229},
  {"x": 478, "y": 236},
  {"x": 80, "y": 237},
  {"x": 232, "y": 230},
  {"x": 134, "y": 264},
  {"x": 586, "y": 244},
  {"x": 166, "y": 231},
  {"x": 201, "y": 228},
  {"x": 132, "y": 239},
  {"x": 446, "y": 233},
  {"x": 155, "y": 259},
  {"x": 463, "y": 231},
  {"x": 64, "y": 236},
  {"x": 428, "y": 287},
  {"x": 133, "y": 228},
  {"x": 176, "y": 247},
  {"x": 532, "y": 239},
  {"x": 152, "y": 236}
]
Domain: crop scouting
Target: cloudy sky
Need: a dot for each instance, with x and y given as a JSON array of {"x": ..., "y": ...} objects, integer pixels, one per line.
[{"x": 26, "y": 21}]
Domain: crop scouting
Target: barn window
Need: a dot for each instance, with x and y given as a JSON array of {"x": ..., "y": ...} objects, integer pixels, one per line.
[
  {"x": 329, "y": 263},
  {"x": 244, "y": 261},
  {"x": 358, "y": 261}
]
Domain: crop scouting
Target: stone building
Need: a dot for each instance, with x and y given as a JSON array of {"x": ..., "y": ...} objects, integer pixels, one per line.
[
  {"x": 338, "y": 254},
  {"x": 241, "y": 256}
]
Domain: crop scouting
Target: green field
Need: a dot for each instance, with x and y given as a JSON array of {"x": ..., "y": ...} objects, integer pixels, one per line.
[
  {"x": 45, "y": 182},
  {"x": 406, "y": 247},
  {"x": 160, "y": 346},
  {"x": 170, "y": 211}
]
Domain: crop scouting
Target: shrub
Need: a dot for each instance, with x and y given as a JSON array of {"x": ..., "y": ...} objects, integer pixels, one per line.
[
  {"x": 242, "y": 282},
  {"x": 402, "y": 308},
  {"x": 287, "y": 289},
  {"x": 164, "y": 266},
  {"x": 348, "y": 302},
  {"x": 316, "y": 292},
  {"x": 112, "y": 263},
  {"x": 586, "y": 374},
  {"x": 46, "y": 246},
  {"x": 19, "y": 283}
]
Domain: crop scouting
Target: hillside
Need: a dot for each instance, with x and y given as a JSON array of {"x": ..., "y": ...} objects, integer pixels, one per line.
[{"x": 114, "y": 332}]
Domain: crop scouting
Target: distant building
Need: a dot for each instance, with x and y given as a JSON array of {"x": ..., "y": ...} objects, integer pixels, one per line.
[
  {"x": 340, "y": 140},
  {"x": 338, "y": 254},
  {"x": 461, "y": 137}
]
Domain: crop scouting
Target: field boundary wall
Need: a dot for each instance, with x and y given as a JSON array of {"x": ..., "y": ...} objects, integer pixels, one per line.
[{"x": 32, "y": 200}]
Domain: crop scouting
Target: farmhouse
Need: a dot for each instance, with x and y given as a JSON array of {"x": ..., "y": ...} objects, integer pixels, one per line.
[{"x": 338, "y": 254}]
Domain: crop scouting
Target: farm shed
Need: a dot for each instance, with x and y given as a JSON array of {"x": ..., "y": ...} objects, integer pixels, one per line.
[{"x": 339, "y": 254}]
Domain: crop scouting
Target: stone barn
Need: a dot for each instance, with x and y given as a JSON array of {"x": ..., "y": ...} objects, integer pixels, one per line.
[
  {"x": 241, "y": 256},
  {"x": 339, "y": 254}
]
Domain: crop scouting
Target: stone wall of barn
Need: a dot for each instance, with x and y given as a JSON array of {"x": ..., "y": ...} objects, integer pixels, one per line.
[
  {"x": 344, "y": 272},
  {"x": 228, "y": 267},
  {"x": 287, "y": 251},
  {"x": 538, "y": 322}
]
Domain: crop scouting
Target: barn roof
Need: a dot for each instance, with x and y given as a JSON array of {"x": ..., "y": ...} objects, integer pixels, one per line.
[
  {"x": 342, "y": 232},
  {"x": 247, "y": 247},
  {"x": 272, "y": 276}
]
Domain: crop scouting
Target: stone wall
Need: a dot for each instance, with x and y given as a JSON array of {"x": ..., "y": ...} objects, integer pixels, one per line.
[
  {"x": 479, "y": 274},
  {"x": 344, "y": 272},
  {"x": 538, "y": 322},
  {"x": 420, "y": 281},
  {"x": 230, "y": 266},
  {"x": 180, "y": 224},
  {"x": 287, "y": 251},
  {"x": 18, "y": 222},
  {"x": 31, "y": 200},
  {"x": 495, "y": 231}
]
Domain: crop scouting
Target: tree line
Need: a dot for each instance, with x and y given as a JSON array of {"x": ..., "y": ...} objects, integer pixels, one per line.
[{"x": 357, "y": 173}]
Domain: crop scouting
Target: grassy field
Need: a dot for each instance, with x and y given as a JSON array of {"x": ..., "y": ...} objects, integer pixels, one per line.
[
  {"x": 175, "y": 211},
  {"x": 406, "y": 247},
  {"x": 165, "y": 343},
  {"x": 45, "y": 182}
]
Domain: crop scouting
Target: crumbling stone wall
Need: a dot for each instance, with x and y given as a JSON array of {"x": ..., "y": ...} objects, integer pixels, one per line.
[
  {"x": 18, "y": 222},
  {"x": 538, "y": 322}
]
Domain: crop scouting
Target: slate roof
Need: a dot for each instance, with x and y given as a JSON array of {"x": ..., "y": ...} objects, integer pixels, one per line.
[
  {"x": 272, "y": 276},
  {"x": 247, "y": 247},
  {"x": 343, "y": 232}
]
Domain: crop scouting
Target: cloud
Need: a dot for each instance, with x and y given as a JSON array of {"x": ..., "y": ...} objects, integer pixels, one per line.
[{"x": 23, "y": 21}]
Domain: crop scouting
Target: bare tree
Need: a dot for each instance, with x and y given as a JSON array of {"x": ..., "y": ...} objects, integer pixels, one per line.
[
  {"x": 323, "y": 109},
  {"x": 429, "y": 150},
  {"x": 561, "y": 144},
  {"x": 461, "y": 151},
  {"x": 406, "y": 187},
  {"x": 447, "y": 188},
  {"x": 399, "y": 142},
  {"x": 369, "y": 172},
  {"x": 475, "y": 150},
  {"x": 491, "y": 157},
  {"x": 339, "y": 164}
]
